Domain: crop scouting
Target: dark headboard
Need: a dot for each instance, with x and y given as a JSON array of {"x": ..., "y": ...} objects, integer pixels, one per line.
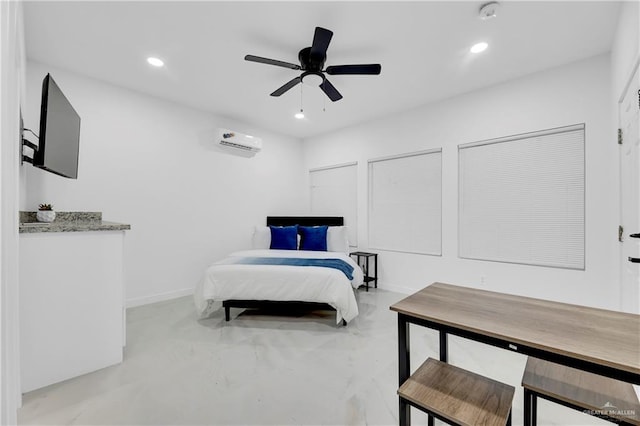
[{"x": 305, "y": 220}]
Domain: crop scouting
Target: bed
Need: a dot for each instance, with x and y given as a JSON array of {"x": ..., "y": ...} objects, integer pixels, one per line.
[{"x": 287, "y": 279}]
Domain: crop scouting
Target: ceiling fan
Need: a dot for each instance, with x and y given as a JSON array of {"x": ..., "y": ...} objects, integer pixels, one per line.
[{"x": 311, "y": 62}]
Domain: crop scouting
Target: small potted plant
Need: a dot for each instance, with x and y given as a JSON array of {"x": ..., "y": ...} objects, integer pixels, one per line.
[{"x": 45, "y": 213}]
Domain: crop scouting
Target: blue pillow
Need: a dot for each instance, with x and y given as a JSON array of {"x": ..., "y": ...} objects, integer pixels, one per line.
[
  {"x": 313, "y": 238},
  {"x": 284, "y": 237}
]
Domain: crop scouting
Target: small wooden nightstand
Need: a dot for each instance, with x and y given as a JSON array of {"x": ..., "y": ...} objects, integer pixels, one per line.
[{"x": 366, "y": 255}]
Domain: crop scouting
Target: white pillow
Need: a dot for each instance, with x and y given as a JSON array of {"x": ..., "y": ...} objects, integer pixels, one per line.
[
  {"x": 261, "y": 238},
  {"x": 338, "y": 239}
]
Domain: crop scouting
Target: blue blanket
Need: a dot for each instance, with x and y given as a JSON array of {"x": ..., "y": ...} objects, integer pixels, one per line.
[{"x": 338, "y": 264}]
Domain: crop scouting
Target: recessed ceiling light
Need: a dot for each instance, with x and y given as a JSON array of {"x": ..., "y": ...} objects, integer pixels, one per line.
[
  {"x": 155, "y": 61},
  {"x": 299, "y": 115},
  {"x": 479, "y": 47}
]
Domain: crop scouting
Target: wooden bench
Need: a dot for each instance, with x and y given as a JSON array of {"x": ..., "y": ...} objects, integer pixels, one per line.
[
  {"x": 457, "y": 396},
  {"x": 590, "y": 393}
]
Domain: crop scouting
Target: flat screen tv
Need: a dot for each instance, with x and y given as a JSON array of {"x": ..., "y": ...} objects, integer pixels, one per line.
[{"x": 59, "y": 138}]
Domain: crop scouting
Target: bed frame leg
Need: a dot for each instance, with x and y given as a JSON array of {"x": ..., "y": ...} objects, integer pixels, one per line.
[{"x": 227, "y": 315}]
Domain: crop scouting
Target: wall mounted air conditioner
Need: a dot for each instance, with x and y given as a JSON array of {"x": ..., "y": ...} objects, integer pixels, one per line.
[{"x": 240, "y": 141}]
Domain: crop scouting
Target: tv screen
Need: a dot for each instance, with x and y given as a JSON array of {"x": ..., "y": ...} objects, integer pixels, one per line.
[{"x": 59, "y": 132}]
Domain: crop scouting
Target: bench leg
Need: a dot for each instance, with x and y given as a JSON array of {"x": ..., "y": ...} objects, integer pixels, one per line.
[
  {"x": 530, "y": 408},
  {"x": 534, "y": 409},
  {"x": 527, "y": 408},
  {"x": 227, "y": 315},
  {"x": 405, "y": 414}
]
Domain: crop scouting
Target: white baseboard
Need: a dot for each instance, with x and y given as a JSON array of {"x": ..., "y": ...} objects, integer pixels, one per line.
[{"x": 139, "y": 301}]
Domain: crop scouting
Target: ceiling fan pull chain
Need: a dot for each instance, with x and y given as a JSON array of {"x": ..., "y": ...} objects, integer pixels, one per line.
[{"x": 301, "y": 88}]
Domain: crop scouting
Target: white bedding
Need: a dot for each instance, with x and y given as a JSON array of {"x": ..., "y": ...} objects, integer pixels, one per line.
[{"x": 225, "y": 281}]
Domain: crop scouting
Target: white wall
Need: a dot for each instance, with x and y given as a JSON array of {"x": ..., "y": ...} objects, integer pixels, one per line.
[
  {"x": 12, "y": 68},
  {"x": 571, "y": 94},
  {"x": 625, "y": 50},
  {"x": 154, "y": 164}
]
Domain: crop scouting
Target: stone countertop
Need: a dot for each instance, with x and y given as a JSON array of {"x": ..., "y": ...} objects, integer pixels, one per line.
[{"x": 69, "y": 222}]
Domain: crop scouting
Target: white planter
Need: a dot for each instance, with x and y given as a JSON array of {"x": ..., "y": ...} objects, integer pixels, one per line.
[{"x": 47, "y": 216}]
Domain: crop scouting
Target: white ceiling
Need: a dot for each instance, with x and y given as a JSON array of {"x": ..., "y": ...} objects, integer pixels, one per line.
[{"x": 423, "y": 48}]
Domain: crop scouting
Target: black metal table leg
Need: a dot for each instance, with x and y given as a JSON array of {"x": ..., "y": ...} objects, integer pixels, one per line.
[
  {"x": 444, "y": 346},
  {"x": 375, "y": 271},
  {"x": 527, "y": 408},
  {"x": 404, "y": 366},
  {"x": 366, "y": 273},
  {"x": 534, "y": 409}
]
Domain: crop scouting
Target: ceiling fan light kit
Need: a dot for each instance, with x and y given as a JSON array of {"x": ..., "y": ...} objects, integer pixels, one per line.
[
  {"x": 312, "y": 61},
  {"x": 312, "y": 78}
]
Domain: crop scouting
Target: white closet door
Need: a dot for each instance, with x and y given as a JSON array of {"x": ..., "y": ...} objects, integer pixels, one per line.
[
  {"x": 521, "y": 199},
  {"x": 334, "y": 191},
  {"x": 405, "y": 203}
]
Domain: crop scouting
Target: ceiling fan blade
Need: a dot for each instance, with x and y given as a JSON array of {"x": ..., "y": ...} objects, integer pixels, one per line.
[
  {"x": 330, "y": 90},
  {"x": 287, "y": 86},
  {"x": 370, "y": 69},
  {"x": 321, "y": 40},
  {"x": 268, "y": 61}
]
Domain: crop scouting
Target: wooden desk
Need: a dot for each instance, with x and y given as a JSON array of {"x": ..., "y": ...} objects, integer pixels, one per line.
[{"x": 595, "y": 340}]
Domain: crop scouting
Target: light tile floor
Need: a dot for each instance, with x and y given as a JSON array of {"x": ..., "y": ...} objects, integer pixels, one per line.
[{"x": 263, "y": 369}]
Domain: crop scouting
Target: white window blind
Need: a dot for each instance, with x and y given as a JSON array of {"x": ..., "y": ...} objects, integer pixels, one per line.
[
  {"x": 405, "y": 203},
  {"x": 521, "y": 199},
  {"x": 334, "y": 192}
]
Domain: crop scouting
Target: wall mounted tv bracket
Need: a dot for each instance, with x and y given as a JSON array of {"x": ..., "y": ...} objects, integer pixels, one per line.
[{"x": 24, "y": 142}]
